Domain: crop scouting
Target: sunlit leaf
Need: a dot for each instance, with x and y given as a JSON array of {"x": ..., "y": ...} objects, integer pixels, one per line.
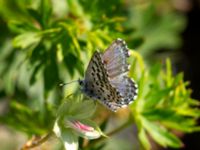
[
  {"x": 144, "y": 139},
  {"x": 77, "y": 109},
  {"x": 154, "y": 97},
  {"x": 161, "y": 135},
  {"x": 26, "y": 39}
]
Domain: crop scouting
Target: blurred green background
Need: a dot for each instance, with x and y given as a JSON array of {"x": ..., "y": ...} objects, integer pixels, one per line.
[{"x": 44, "y": 43}]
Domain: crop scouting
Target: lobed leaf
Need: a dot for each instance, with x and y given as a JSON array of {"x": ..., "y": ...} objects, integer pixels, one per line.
[{"x": 161, "y": 135}]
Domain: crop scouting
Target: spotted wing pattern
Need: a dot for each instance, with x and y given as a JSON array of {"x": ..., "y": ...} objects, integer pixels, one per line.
[
  {"x": 106, "y": 79},
  {"x": 97, "y": 86},
  {"x": 115, "y": 60}
]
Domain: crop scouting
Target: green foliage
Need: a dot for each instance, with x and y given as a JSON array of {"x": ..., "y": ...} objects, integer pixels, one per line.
[
  {"x": 156, "y": 26},
  {"x": 52, "y": 42},
  {"x": 164, "y": 105},
  {"x": 73, "y": 121}
]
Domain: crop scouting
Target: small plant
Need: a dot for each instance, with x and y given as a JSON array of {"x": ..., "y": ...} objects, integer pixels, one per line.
[{"x": 53, "y": 44}]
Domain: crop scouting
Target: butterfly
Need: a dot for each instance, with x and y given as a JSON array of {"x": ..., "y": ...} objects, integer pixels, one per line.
[{"x": 106, "y": 77}]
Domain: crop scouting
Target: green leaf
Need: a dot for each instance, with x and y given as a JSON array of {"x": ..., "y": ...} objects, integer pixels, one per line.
[
  {"x": 155, "y": 72},
  {"x": 26, "y": 39},
  {"x": 33, "y": 75},
  {"x": 144, "y": 139},
  {"x": 170, "y": 119},
  {"x": 38, "y": 54},
  {"x": 35, "y": 15},
  {"x": 154, "y": 97},
  {"x": 178, "y": 78},
  {"x": 137, "y": 42},
  {"x": 186, "y": 124},
  {"x": 70, "y": 66},
  {"x": 169, "y": 78},
  {"x": 50, "y": 73},
  {"x": 84, "y": 110},
  {"x": 150, "y": 24},
  {"x": 22, "y": 108},
  {"x": 77, "y": 109},
  {"x": 141, "y": 84},
  {"x": 21, "y": 113},
  {"x": 45, "y": 10},
  {"x": 75, "y": 7},
  {"x": 20, "y": 27},
  {"x": 161, "y": 135}
]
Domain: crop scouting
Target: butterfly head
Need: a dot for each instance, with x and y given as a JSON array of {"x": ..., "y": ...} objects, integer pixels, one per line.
[{"x": 81, "y": 82}]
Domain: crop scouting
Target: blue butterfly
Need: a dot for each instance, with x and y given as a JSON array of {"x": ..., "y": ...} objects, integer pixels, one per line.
[{"x": 106, "y": 77}]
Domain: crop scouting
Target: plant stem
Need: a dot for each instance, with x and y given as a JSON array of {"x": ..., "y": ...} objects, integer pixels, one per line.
[
  {"x": 36, "y": 141},
  {"x": 120, "y": 128}
]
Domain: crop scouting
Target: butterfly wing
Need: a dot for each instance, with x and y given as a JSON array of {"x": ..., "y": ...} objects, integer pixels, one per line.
[
  {"x": 97, "y": 86},
  {"x": 106, "y": 77},
  {"x": 115, "y": 60}
]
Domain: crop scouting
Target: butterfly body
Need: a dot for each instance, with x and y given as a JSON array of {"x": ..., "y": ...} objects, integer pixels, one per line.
[{"x": 106, "y": 77}]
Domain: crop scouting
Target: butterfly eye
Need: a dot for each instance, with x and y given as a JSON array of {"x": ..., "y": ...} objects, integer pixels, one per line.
[{"x": 81, "y": 82}]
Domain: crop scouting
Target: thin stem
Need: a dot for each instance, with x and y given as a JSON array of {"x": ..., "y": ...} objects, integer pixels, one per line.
[
  {"x": 119, "y": 128},
  {"x": 36, "y": 141},
  {"x": 110, "y": 133}
]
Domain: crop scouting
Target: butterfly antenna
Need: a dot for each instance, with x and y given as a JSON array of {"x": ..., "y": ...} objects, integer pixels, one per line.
[{"x": 63, "y": 84}]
